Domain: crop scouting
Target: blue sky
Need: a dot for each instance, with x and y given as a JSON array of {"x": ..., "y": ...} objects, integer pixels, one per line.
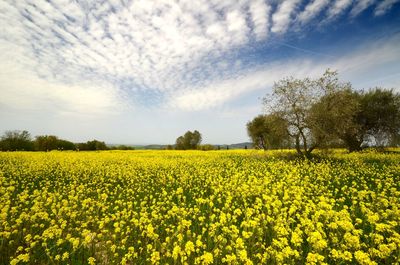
[{"x": 140, "y": 72}]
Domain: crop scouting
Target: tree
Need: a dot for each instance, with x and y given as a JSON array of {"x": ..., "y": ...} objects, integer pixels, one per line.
[
  {"x": 46, "y": 142},
  {"x": 96, "y": 145},
  {"x": 16, "y": 141},
  {"x": 357, "y": 118},
  {"x": 292, "y": 100},
  {"x": 180, "y": 143},
  {"x": 92, "y": 146},
  {"x": 379, "y": 118},
  {"x": 195, "y": 139},
  {"x": 190, "y": 140},
  {"x": 65, "y": 145},
  {"x": 268, "y": 131},
  {"x": 52, "y": 142},
  {"x": 333, "y": 118}
]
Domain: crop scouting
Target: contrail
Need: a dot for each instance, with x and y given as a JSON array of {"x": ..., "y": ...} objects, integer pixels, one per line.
[{"x": 304, "y": 50}]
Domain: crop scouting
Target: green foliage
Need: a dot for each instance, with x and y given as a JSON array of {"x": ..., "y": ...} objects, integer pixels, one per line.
[
  {"x": 92, "y": 146},
  {"x": 52, "y": 142},
  {"x": 66, "y": 145},
  {"x": 333, "y": 121},
  {"x": 268, "y": 132},
  {"x": 21, "y": 141},
  {"x": 122, "y": 147},
  {"x": 379, "y": 117},
  {"x": 206, "y": 147},
  {"x": 292, "y": 100},
  {"x": 189, "y": 141},
  {"x": 358, "y": 118},
  {"x": 16, "y": 141}
]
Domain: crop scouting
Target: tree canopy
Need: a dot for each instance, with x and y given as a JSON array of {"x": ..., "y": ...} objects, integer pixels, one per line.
[
  {"x": 52, "y": 142},
  {"x": 16, "y": 141},
  {"x": 190, "y": 140},
  {"x": 268, "y": 132}
]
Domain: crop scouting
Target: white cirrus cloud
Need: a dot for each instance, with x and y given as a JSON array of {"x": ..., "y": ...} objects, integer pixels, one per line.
[
  {"x": 384, "y": 6},
  {"x": 260, "y": 17},
  {"x": 360, "y": 6},
  {"x": 312, "y": 10},
  {"x": 338, "y": 8},
  {"x": 283, "y": 16},
  {"x": 355, "y": 63},
  {"x": 166, "y": 48}
]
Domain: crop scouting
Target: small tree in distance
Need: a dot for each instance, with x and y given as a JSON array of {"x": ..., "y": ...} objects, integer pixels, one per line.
[{"x": 189, "y": 141}]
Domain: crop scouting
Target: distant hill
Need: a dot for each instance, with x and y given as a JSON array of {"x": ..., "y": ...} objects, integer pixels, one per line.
[
  {"x": 221, "y": 146},
  {"x": 239, "y": 145}
]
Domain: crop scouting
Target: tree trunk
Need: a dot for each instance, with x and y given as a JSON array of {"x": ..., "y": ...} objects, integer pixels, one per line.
[
  {"x": 308, "y": 152},
  {"x": 352, "y": 143},
  {"x": 298, "y": 149}
]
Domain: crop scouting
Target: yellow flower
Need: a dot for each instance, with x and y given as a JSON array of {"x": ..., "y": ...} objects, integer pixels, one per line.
[
  {"x": 363, "y": 258},
  {"x": 317, "y": 241},
  {"x": 176, "y": 252},
  {"x": 230, "y": 258},
  {"x": 296, "y": 239},
  {"x": 207, "y": 258},
  {"x": 155, "y": 257},
  {"x": 91, "y": 261},
  {"x": 65, "y": 256},
  {"x": 351, "y": 240},
  {"x": 242, "y": 255},
  {"x": 189, "y": 247},
  {"x": 314, "y": 258}
]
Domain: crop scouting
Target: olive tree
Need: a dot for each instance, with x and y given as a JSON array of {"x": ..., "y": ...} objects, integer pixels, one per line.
[
  {"x": 292, "y": 99},
  {"x": 268, "y": 131}
]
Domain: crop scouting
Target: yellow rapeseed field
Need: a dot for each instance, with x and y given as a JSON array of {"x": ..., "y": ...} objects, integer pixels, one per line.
[{"x": 194, "y": 207}]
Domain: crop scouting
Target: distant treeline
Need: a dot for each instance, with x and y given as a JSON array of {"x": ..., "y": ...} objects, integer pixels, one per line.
[{"x": 22, "y": 141}]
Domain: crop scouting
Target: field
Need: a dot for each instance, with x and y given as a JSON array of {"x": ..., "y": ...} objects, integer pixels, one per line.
[{"x": 194, "y": 207}]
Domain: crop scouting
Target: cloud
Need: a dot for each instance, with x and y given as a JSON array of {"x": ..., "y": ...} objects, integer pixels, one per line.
[
  {"x": 360, "y": 6},
  {"x": 260, "y": 13},
  {"x": 384, "y": 6},
  {"x": 22, "y": 89},
  {"x": 338, "y": 8},
  {"x": 128, "y": 52},
  {"x": 283, "y": 16},
  {"x": 312, "y": 10},
  {"x": 222, "y": 91},
  {"x": 353, "y": 64}
]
